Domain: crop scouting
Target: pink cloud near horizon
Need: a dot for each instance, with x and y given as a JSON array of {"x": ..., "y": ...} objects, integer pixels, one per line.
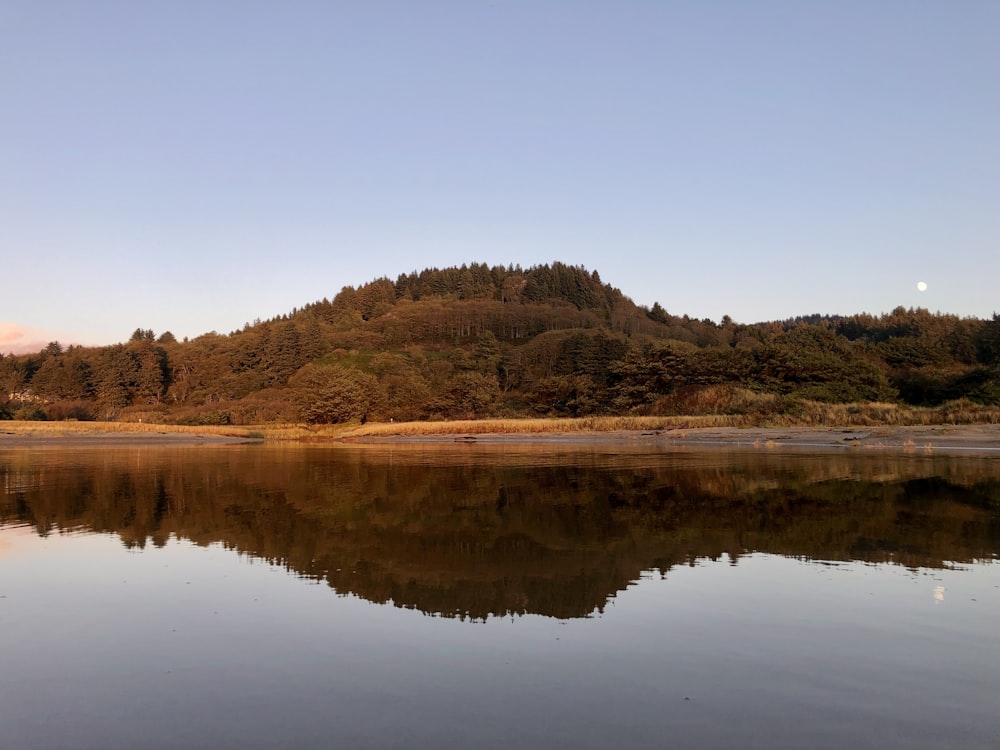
[{"x": 18, "y": 339}]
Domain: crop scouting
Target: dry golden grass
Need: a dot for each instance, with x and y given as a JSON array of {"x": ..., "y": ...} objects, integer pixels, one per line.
[
  {"x": 887, "y": 415},
  {"x": 68, "y": 427},
  {"x": 266, "y": 432},
  {"x": 525, "y": 426},
  {"x": 811, "y": 414},
  {"x": 757, "y": 410}
]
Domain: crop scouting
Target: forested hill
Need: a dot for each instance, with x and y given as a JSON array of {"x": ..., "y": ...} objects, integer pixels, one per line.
[{"x": 478, "y": 341}]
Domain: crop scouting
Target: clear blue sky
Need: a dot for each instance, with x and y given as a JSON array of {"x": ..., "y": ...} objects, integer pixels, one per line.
[{"x": 193, "y": 165}]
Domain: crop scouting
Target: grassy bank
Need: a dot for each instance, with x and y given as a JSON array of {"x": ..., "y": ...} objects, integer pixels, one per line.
[
  {"x": 818, "y": 415},
  {"x": 70, "y": 427},
  {"x": 806, "y": 414}
]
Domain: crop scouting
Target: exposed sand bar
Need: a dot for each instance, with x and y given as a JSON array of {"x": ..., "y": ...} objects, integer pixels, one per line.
[
  {"x": 24, "y": 435},
  {"x": 983, "y": 438},
  {"x": 928, "y": 439}
]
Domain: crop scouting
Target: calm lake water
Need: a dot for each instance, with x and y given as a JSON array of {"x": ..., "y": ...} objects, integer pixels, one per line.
[{"x": 496, "y": 596}]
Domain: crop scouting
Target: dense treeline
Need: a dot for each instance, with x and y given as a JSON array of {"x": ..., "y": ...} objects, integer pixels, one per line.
[{"x": 480, "y": 341}]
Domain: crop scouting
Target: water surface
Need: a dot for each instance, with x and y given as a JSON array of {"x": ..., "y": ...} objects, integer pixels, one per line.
[{"x": 417, "y": 596}]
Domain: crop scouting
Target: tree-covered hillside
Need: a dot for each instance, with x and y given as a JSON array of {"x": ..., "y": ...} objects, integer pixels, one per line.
[{"x": 479, "y": 341}]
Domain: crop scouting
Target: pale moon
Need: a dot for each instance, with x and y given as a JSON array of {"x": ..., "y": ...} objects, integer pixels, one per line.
[{"x": 921, "y": 286}]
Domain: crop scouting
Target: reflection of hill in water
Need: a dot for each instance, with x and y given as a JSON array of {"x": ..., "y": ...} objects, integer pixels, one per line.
[{"x": 476, "y": 531}]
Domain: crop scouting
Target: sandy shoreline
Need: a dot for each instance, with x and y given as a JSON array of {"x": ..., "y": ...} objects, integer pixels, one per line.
[
  {"x": 927, "y": 439},
  {"x": 34, "y": 439}
]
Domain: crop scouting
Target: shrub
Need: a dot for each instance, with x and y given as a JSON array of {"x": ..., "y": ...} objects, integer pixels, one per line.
[
  {"x": 215, "y": 417},
  {"x": 30, "y": 413},
  {"x": 81, "y": 411}
]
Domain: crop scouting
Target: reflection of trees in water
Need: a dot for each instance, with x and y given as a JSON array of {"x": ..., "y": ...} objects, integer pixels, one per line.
[{"x": 473, "y": 532}]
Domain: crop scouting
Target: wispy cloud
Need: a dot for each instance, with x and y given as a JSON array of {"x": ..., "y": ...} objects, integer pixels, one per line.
[{"x": 18, "y": 339}]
